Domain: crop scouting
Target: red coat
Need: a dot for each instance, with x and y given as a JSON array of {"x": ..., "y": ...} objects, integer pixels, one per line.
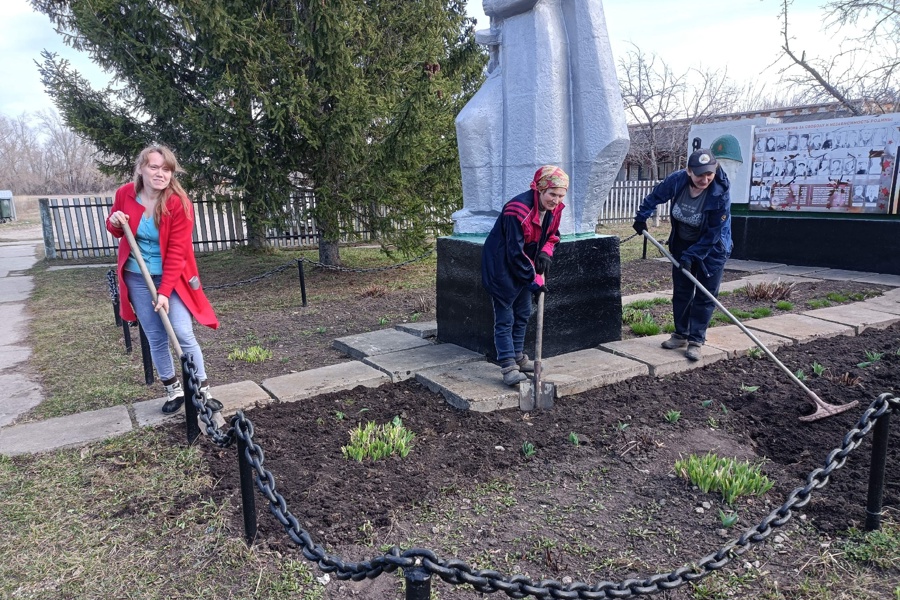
[{"x": 176, "y": 249}]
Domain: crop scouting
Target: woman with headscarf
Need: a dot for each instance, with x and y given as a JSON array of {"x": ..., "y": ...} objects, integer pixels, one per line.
[{"x": 514, "y": 262}]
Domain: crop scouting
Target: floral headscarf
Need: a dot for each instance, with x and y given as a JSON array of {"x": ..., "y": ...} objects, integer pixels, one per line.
[{"x": 549, "y": 176}]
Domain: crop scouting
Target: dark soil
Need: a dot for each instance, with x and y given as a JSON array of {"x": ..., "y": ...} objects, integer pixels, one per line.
[{"x": 608, "y": 508}]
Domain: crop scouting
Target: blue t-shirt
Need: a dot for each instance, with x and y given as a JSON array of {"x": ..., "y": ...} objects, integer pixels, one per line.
[{"x": 147, "y": 239}]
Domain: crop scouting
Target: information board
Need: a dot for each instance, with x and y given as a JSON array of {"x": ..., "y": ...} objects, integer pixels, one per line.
[{"x": 839, "y": 165}]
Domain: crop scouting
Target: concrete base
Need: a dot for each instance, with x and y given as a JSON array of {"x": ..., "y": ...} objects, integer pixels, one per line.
[
  {"x": 64, "y": 432},
  {"x": 474, "y": 386},
  {"x": 585, "y": 370},
  {"x": 425, "y": 329},
  {"x": 857, "y": 317},
  {"x": 852, "y": 243},
  {"x": 306, "y": 384},
  {"x": 233, "y": 396},
  {"x": 377, "y": 342},
  {"x": 660, "y": 361},
  {"x": 582, "y": 310},
  {"x": 883, "y": 304},
  {"x": 736, "y": 343},
  {"x": 799, "y": 328},
  {"x": 403, "y": 365}
]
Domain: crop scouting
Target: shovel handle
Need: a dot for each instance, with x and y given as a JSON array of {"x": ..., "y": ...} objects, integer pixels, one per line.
[{"x": 148, "y": 279}]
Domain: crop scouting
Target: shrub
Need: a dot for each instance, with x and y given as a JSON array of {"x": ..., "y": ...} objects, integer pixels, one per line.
[{"x": 771, "y": 290}]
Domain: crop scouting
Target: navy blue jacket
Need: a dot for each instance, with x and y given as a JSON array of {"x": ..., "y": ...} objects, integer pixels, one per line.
[
  {"x": 714, "y": 245},
  {"x": 507, "y": 259}
]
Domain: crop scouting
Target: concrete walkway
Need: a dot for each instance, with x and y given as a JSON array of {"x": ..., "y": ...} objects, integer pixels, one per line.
[{"x": 464, "y": 378}]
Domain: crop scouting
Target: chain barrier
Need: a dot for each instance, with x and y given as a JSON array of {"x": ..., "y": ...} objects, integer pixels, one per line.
[
  {"x": 223, "y": 439},
  {"x": 322, "y": 265},
  {"x": 113, "y": 284},
  {"x": 457, "y": 572}
]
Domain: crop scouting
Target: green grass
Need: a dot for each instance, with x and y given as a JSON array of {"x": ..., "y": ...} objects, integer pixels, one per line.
[
  {"x": 879, "y": 548},
  {"x": 784, "y": 305},
  {"x": 252, "y": 354},
  {"x": 130, "y": 518},
  {"x": 645, "y": 304},
  {"x": 818, "y": 303}
]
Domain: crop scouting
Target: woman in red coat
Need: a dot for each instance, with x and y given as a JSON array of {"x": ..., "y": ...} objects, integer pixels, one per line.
[{"x": 161, "y": 217}]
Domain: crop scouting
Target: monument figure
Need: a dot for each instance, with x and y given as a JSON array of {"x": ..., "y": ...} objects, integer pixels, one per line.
[{"x": 551, "y": 97}]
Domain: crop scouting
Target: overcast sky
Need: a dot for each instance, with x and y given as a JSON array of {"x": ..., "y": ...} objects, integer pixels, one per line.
[{"x": 742, "y": 35}]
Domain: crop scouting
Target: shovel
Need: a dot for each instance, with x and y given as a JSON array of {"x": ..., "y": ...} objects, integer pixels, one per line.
[
  {"x": 536, "y": 393},
  {"x": 189, "y": 408},
  {"x": 823, "y": 409}
]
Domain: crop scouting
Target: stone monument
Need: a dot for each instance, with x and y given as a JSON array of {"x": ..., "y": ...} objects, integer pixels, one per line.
[{"x": 551, "y": 97}]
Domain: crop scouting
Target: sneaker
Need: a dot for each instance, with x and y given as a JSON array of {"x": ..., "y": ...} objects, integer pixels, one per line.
[
  {"x": 211, "y": 402},
  {"x": 175, "y": 395},
  {"x": 693, "y": 351},
  {"x": 674, "y": 342},
  {"x": 512, "y": 375},
  {"x": 525, "y": 365}
]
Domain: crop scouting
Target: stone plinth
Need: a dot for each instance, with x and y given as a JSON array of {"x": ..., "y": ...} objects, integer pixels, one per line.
[{"x": 582, "y": 310}]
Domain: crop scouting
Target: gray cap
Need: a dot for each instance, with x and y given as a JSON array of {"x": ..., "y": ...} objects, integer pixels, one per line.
[{"x": 702, "y": 162}]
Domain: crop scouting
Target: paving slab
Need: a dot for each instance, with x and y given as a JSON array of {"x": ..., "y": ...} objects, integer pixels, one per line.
[
  {"x": 626, "y": 300},
  {"x": 880, "y": 279},
  {"x": 11, "y": 355},
  {"x": 15, "y": 323},
  {"x": 751, "y": 266},
  {"x": 233, "y": 396},
  {"x": 476, "y": 386},
  {"x": 334, "y": 378},
  {"x": 403, "y": 365},
  {"x": 20, "y": 395},
  {"x": 736, "y": 343},
  {"x": 15, "y": 289},
  {"x": 18, "y": 250},
  {"x": 377, "y": 342},
  {"x": 64, "y": 432},
  {"x": 799, "y": 328},
  {"x": 842, "y": 275},
  {"x": 576, "y": 372},
  {"x": 858, "y": 317},
  {"x": 425, "y": 329},
  {"x": 796, "y": 270},
  {"x": 883, "y": 304},
  {"x": 660, "y": 361}
]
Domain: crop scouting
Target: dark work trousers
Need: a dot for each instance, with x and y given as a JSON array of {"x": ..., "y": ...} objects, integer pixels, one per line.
[{"x": 692, "y": 308}]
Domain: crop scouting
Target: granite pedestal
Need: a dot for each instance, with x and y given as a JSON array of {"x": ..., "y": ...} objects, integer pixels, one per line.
[{"x": 583, "y": 308}]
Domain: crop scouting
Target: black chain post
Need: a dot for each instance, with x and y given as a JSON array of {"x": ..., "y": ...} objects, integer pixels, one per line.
[
  {"x": 190, "y": 390},
  {"x": 876, "y": 472},
  {"x": 418, "y": 582},
  {"x": 302, "y": 281},
  {"x": 126, "y": 335},
  {"x": 146, "y": 357},
  {"x": 248, "y": 499}
]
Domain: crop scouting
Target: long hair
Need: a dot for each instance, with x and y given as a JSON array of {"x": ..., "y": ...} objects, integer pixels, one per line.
[{"x": 174, "y": 187}]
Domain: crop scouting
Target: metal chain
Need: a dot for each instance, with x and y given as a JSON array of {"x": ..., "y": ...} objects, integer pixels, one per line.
[
  {"x": 113, "y": 285},
  {"x": 204, "y": 412},
  {"x": 315, "y": 263},
  {"x": 458, "y": 572}
]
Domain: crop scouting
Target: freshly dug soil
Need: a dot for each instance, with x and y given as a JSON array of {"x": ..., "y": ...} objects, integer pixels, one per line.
[{"x": 608, "y": 508}]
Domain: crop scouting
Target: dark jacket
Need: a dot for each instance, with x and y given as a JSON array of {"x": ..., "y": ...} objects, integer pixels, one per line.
[
  {"x": 507, "y": 259},
  {"x": 714, "y": 245}
]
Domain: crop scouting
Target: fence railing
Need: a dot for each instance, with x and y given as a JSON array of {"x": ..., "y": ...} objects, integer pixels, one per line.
[
  {"x": 76, "y": 227},
  {"x": 624, "y": 199}
]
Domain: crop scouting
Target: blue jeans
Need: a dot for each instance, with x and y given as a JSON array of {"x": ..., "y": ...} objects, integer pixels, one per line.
[
  {"x": 151, "y": 323},
  {"x": 692, "y": 309},
  {"x": 510, "y": 324}
]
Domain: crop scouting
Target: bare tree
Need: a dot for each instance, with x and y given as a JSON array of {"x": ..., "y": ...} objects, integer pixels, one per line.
[
  {"x": 863, "y": 72},
  {"x": 663, "y": 105},
  {"x": 47, "y": 157},
  {"x": 651, "y": 92}
]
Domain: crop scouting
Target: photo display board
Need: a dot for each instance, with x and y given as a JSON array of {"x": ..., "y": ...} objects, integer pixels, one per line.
[{"x": 838, "y": 165}]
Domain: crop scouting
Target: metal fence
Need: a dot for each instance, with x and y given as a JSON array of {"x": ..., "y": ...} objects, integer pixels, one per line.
[{"x": 76, "y": 227}]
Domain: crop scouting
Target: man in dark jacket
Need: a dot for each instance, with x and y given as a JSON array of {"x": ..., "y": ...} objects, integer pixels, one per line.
[
  {"x": 700, "y": 240},
  {"x": 516, "y": 256}
]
